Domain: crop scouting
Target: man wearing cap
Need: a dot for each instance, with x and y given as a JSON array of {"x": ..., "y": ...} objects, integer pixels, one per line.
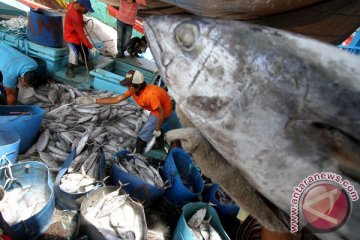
[
  {"x": 75, "y": 36},
  {"x": 150, "y": 97},
  {"x": 16, "y": 69}
]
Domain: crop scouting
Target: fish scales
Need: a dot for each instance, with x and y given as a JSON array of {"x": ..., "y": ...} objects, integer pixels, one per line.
[
  {"x": 90, "y": 161},
  {"x": 64, "y": 142},
  {"x": 53, "y": 96},
  {"x": 63, "y": 145},
  {"x": 114, "y": 130},
  {"x": 259, "y": 96},
  {"x": 113, "y": 113},
  {"x": 84, "y": 140},
  {"x": 89, "y": 111},
  {"x": 78, "y": 161},
  {"x": 42, "y": 98},
  {"x": 121, "y": 125},
  {"x": 95, "y": 118},
  {"x": 75, "y": 142},
  {"x": 84, "y": 119},
  {"x": 58, "y": 151},
  {"x": 105, "y": 114},
  {"x": 65, "y": 98},
  {"x": 59, "y": 110},
  {"x": 97, "y": 131},
  {"x": 70, "y": 135},
  {"x": 43, "y": 140},
  {"x": 101, "y": 138},
  {"x": 48, "y": 159}
]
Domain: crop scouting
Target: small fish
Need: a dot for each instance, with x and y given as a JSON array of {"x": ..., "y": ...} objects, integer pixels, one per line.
[
  {"x": 150, "y": 144},
  {"x": 197, "y": 218}
]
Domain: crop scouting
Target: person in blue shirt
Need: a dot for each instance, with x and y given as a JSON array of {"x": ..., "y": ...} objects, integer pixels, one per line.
[{"x": 16, "y": 69}]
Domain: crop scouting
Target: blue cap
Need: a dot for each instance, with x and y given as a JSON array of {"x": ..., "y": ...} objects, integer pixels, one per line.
[{"x": 87, "y": 4}]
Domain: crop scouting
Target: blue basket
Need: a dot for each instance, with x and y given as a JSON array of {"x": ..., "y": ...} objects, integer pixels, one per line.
[
  {"x": 9, "y": 146},
  {"x": 179, "y": 163},
  {"x": 209, "y": 195},
  {"x": 35, "y": 174},
  {"x": 182, "y": 230},
  {"x": 23, "y": 119},
  {"x": 72, "y": 201},
  {"x": 137, "y": 188},
  {"x": 43, "y": 28},
  {"x": 89, "y": 229}
]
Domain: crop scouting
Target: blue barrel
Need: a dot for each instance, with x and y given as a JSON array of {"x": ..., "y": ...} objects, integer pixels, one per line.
[
  {"x": 183, "y": 176},
  {"x": 45, "y": 28},
  {"x": 23, "y": 119},
  {"x": 9, "y": 146},
  {"x": 35, "y": 174},
  {"x": 137, "y": 188},
  {"x": 224, "y": 210},
  {"x": 182, "y": 230},
  {"x": 72, "y": 201}
]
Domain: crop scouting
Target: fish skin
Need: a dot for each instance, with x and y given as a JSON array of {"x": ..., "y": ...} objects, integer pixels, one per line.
[
  {"x": 255, "y": 93},
  {"x": 53, "y": 96},
  {"x": 84, "y": 139},
  {"x": 43, "y": 140}
]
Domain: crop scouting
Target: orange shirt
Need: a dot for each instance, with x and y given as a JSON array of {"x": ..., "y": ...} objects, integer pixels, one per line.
[
  {"x": 128, "y": 11},
  {"x": 151, "y": 98},
  {"x": 73, "y": 27}
]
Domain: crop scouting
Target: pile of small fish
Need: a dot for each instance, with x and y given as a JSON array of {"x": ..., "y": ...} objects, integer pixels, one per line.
[
  {"x": 201, "y": 227},
  {"x": 117, "y": 217},
  {"x": 138, "y": 165},
  {"x": 82, "y": 174},
  {"x": 66, "y": 125},
  {"x": 21, "y": 203}
]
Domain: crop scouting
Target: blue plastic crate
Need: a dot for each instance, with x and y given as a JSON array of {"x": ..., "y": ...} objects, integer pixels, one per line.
[
  {"x": 107, "y": 76},
  {"x": 105, "y": 79}
]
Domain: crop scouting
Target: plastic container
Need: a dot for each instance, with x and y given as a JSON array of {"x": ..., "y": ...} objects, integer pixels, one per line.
[
  {"x": 23, "y": 119},
  {"x": 107, "y": 75},
  {"x": 137, "y": 188},
  {"x": 86, "y": 227},
  {"x": 179, "y": 167},
  {"x": 72, "y": 201},
  {"x": 45, "y": 28},
  {"x": 209, "y": 195},
  {"x": 182, "y": 230},
  {"x": 9, "y": 146},
  {"x": 35, "y": 174}
]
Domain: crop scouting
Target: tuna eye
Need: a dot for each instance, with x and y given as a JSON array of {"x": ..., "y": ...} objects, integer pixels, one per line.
[{"x": 186, "y": 35}]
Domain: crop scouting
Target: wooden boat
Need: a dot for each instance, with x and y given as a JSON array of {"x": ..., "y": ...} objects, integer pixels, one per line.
[{"x": 330, "y": 21}]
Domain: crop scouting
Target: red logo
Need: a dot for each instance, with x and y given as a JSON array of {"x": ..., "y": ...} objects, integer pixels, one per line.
[{"x": 325, "y": 207}]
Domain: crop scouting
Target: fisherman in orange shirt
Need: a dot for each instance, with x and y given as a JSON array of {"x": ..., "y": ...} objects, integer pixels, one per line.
[{"x": 149, "y": 97}]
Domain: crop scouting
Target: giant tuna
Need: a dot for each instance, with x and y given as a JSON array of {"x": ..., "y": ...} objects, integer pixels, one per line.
[{"x": 274, "y": 106}]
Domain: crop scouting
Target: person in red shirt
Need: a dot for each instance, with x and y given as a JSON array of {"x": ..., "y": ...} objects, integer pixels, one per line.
[
  {"x": 149, "y": 97},
  {"x": 75, "y": 36},
  {"x": 125, "y": 20}
]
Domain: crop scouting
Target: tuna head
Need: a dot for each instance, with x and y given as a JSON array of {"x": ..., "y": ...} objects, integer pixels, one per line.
[{"x": 265, "y": 99}]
